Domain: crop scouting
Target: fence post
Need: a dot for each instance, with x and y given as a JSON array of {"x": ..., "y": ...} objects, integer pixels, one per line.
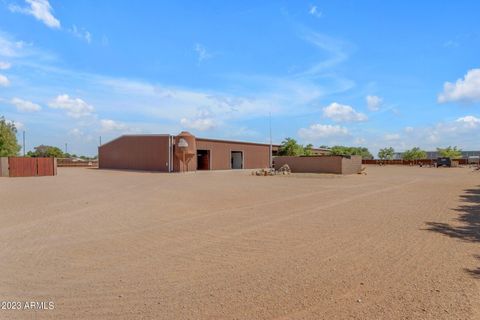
[{"x": 4, "y": 169}]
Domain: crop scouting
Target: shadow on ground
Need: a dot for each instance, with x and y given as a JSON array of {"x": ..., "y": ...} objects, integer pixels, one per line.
[
  {"x": 468, "y": 226},
  {"x": 474, "y": 272}
]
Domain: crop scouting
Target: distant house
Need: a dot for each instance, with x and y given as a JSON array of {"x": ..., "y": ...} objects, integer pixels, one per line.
[{"x": 315, "y": 151}]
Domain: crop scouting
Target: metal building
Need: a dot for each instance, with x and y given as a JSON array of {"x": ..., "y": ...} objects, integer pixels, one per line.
[{"x": 162, "y": 152}]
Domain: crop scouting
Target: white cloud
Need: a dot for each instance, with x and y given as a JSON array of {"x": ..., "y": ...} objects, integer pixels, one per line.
[
  {"x": 463, "y": 90},
  {"x": 24, "y": 105},
  {"x": 335, "y": 49},
  {"x": 374, "y": 103},
  {"x": 392, "y": 136},
  {"x": 201, "y": 124},
  {"x": 18, "y": 125},
  {"x": 202, "y": 52},
  {"x": 177, "y": 103},
  {"x": 278, "y": 95},
  {"x": 469, "y": 121},
  {"x": 318, "y": 131},
  {"x": 161, "y": 106},
  {"x": 41, "y": 10},
  {"x": 76, "y": 132},
  {"x": 87, "y": 36},
  {"x": 315, "y": 12},
  {"x": 462, "y": 132},
  {"x": 360, "y": 141},
  {"x": 10, "y": 48},
  {"x": 4, "y": 65},
  {"x": 343, "y": 113},
  {"x": 4, "y": 82},
  {"x": 75, "y": 108},
  {"x": 81, "y": 33},
  {"x": 108, "y": 125}
]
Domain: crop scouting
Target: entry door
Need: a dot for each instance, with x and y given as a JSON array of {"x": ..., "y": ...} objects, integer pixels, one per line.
[
  {"x": 237, "y": 160},
  {"x": 203, "y": 160}
]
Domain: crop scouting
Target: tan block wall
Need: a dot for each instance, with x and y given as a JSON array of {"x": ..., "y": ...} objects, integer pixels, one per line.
[
  {"x": 352, "y": 165},
  {"x": 321, "y": 164}
]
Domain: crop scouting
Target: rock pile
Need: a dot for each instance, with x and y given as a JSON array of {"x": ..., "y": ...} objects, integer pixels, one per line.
[
  {"x": 285, "y": 169},
  {"x": 363, "y": 170},
  {"x": 264, "y": 172}
]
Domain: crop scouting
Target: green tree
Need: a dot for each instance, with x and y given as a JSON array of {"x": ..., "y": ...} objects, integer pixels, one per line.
[
  {"x": 414, "y": 154},
  {"x": 46, "y": 151},
  {"x": 386, "y": 153},
  {"x": 351, "y": 151},
  {"x": 449, "y": 152},
  {"x": 307, "y": 151},
  {"x": 8, "y": 139},
  {"x": 290, "y": 147}
]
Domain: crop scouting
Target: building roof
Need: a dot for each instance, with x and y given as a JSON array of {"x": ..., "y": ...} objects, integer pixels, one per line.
[
  {"x": 197, "y": 138},
  {"x": 274, "y": 146},
  {"x": 232, "y": 141},
  {"x": 134, "y": 135}
]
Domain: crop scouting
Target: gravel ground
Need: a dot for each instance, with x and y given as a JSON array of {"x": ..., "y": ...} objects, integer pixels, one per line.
[{"x": 398, "y": 243}]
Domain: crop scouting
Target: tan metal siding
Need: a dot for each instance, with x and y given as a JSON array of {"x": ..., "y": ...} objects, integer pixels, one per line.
[
  {"x": 254, "y": 155},
  {"x": 135, "y": 153}
]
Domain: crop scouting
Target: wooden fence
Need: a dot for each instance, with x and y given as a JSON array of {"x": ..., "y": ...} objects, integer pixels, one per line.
[
  {"x": 28, "y": 167},
  {"x": 66, "y": 162},
  {"x": 427, "y": 162}
]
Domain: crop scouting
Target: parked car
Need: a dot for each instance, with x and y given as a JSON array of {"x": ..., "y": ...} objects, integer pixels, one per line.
[{"x": 444, "y": 162}]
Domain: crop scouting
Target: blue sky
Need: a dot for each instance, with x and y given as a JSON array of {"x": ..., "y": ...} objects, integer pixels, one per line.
[{"x": 363, "y": 73}]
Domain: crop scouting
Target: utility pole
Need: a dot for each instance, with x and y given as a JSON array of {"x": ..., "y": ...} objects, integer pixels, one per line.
[
  {"x": 24, "y": 143},
  {"x": 271, "y": 146},
  {"x": 66, "y": 147},
  {"x": 100, "y": 140}
]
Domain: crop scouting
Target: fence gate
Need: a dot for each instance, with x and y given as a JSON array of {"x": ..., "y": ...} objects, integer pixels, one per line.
[
  {"x": 45, "y": 167},
  {"x": 22, "y": 167},
  {"x": 29, "y": 167}
]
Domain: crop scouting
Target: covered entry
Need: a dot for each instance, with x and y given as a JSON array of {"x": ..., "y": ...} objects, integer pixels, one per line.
[
  {"x": 237, "y": 160},
  {"x": 203, "y": 159}
]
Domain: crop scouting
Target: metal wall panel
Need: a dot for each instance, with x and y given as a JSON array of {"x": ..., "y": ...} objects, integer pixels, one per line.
[
  {"x": 27, "y": 167},
  {"x": 45, "y": 166},
  {"x": 141, "y": 152},
  {"x": 22, "y": 167},
  {"x": 255, "y": 155}
]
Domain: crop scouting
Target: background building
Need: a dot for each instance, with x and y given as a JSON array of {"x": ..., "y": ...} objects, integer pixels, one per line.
[{"x": 315, "y": 151}]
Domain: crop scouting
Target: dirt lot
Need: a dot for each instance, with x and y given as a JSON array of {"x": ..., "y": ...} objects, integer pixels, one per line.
[{"x": 399, "y": 243}]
